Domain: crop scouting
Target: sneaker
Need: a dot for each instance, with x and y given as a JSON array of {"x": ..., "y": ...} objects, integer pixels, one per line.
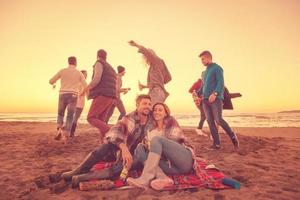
[
  {"x": 214, "y": 147},
  {"x": 235, "y": 142},
  {"x": 200, "y": 132}
]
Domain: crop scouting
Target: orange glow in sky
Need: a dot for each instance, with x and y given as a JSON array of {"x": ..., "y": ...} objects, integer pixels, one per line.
[{"x": 256, "y": 42}]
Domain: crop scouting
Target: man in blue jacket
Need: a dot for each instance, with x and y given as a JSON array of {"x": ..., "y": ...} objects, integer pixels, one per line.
[{"x": 212, "y": 95}]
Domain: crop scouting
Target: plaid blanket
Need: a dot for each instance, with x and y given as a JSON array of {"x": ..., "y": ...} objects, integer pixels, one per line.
[{"x": 205, "y": 177}]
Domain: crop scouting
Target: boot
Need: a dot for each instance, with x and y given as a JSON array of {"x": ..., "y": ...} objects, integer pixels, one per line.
[
  {"x": 106, "y": 173},
  {"x": 83, "y": 167},
  {"x": 235, "y": 141},
  {"x": 161, "y": 181},
  {"x": 103, "y": 174},
  {"x": 148, "y": 173}
]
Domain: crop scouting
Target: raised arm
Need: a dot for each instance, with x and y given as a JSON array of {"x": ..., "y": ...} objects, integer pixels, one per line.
[
  {"x": 143, "y": 50},
  {"x": 134, "y": 44}
]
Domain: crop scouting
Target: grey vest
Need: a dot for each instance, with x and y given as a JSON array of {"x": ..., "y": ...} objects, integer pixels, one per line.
[{"x": 107, "y": 84}]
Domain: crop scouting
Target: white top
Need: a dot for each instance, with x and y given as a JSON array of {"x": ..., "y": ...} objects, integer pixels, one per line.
[
  {"x": 80, "y": 99},
  {"x": 153, "y": 133},
  {"x": 70, "y": 80}
]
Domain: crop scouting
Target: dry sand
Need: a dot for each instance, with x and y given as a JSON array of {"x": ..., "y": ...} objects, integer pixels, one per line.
[{"x": 267, "y": 164}]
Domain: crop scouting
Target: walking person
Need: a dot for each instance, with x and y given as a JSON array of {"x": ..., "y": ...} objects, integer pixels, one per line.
[
  {"x": 70, "y": 81},
  {"x": 118, "y": 101},
  {"x": 102, "y": 90},
  {"x": 212, "y": 95}
]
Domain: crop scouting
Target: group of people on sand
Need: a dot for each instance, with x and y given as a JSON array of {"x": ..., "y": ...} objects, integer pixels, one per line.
[
  {"x": 104, "y": 90},
  {"x": 148, "y": 138}
]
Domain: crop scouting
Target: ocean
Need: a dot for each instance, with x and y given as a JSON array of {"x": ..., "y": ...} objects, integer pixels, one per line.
[{"x": 234, "y": 119}]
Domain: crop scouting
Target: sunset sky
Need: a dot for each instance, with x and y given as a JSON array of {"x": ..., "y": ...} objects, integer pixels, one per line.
[{"x": 257, "y": 42}]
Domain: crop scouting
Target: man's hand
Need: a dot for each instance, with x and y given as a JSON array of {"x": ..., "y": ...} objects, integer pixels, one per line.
[
  {"x": 126, "y": 156},
  {"x": 212, "y": 98}
]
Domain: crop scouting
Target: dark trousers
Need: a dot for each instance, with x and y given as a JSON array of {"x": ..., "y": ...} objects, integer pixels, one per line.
[
  {"x": 66, "y": 101},
  {"x": 202, "y": 116},
  {"x": 120, "y": 106}
]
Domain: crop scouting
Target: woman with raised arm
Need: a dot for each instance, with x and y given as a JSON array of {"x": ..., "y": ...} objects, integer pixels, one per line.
[{"x": 158, "y": 74}]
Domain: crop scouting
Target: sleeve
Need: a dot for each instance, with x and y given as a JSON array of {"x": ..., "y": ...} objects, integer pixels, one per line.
[
  {"x": 220, "y": 80},
  {"x": 98, "y": 69},
  {"x": 146, "y": 52},
  {"x": 173, "y": 130},
  {"x": 118, "y": 133},
  {"x": 55, "y": 77},
  {"x": 200, "y": 90}
]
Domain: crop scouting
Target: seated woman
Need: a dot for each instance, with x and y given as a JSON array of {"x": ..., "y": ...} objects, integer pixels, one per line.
[{"x": 168, "y": 152}]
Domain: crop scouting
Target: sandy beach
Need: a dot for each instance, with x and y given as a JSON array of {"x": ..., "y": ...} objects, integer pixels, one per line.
[{"x": 267, "y": 164}]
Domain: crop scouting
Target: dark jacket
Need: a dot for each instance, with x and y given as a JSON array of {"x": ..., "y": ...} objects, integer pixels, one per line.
[{"x": 107, "y": 84}]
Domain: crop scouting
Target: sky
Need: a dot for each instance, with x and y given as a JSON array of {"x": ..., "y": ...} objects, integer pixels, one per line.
[{"x": 256, "y": 43}]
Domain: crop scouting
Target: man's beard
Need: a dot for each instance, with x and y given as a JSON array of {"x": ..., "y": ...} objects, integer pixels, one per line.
[{"x": 146, "y": 114}]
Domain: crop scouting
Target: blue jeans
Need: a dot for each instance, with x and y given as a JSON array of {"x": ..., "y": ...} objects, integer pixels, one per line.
[
  {"x": 175, "y": 158},
  {"x": 77, "y": 114},
  {"x": 66, "y": 101},
  {"x": 213, "y": 112},
  {"x": 202, "y": 117},
  {"x": 119, "y": 104}
]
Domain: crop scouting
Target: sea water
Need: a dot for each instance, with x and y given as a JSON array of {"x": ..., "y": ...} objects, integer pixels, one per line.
[{"x": 234, "y": 119}]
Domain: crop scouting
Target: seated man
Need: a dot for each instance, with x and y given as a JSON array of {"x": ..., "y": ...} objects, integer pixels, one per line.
[{"x": 124, "y": 136}]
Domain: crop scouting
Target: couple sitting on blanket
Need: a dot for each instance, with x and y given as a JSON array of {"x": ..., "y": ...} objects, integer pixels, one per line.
[{"x": 152, "y": 139}]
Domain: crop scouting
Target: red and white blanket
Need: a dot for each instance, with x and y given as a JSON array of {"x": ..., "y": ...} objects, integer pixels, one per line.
[{"x": 206, "y": 176}]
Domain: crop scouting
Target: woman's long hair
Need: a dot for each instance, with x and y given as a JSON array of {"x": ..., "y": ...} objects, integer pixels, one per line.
[
  {"x": 148, "y": 58},
  {"x": 166, "y": 108}
]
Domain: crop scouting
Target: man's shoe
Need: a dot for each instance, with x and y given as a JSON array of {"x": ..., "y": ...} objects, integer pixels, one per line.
[
  {"x": 83, "y": 167},
  {"x": 200, "y": 132},
  {"x": 214, "y": 147},
  {"x": 235, "y": 142},
  {"x": 58, "y": 134}
]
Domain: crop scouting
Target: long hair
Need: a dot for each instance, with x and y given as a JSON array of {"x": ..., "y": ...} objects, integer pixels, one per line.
[
  {"x": 166, "y": 108},
  {"x": 148, "y": 57}
]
